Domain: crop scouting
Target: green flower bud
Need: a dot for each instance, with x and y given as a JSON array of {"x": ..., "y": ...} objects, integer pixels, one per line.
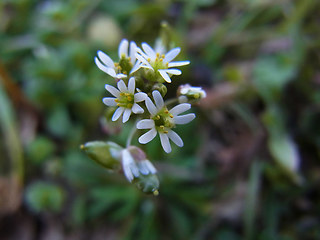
[
  {"x": 187, "y": 93},
  {"x": 148, "y": 183},
  {"x": 161, "y": 88},
  {"x": 107, "y": 154}
]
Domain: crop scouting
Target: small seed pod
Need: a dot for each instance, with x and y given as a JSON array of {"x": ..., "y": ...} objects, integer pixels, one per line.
[{"x": 107, "y": 154}]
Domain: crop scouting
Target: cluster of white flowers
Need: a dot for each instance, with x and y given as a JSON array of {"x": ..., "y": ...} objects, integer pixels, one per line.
[{"x": 141, "y": 74}]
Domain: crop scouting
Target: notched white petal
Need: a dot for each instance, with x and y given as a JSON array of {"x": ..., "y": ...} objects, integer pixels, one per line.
[
  {"x": 149, "y": 51},
  {"x": 117, "y": 114},
  {"x": 102, "y": 67},
  {"x": 137, "y": 109},
  {"x": 178, "y": 64},
  {"x": 131, "y": 85},
  {"x": 158, "y": 99},
  {"x": 180, "y": 108},
  {"x": 175, "y": 138},
  {"x": 184, "y": 119},
  {"x": 165, "y": 76},
  {"x": 174, "y": 71},
  {"x": 141, "y": 96},
  {"x": 150, "y": 166},
  {"x": 171, "y": 54},
  {"x": 115, "y": 92},
  {"x": 109, "y": 101},
  {"x": 126, "y": 115},
  {"x": 122, "y": 86},
  {"x": 123, "y": 48},
  {"x": 148, "y": 136},
  {"x": 145, "y": 124},
  {"x": 165, "y": 142},
  {"x": 105, "y": 59},
  {"x": 151, "y": 107}
]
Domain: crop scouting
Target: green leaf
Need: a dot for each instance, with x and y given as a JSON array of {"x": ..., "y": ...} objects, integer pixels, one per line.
[{"x": 42, "y": 196}]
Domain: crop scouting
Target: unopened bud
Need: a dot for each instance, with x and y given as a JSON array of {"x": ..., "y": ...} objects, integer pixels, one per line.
[
  {"x": 187, "y": 93},
  {"x": 161, "y": 88},
  {"x": 107, "y": 154}
]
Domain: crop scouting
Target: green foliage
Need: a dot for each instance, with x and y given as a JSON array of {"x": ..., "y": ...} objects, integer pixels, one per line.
[{"x": 42, "y": 197}]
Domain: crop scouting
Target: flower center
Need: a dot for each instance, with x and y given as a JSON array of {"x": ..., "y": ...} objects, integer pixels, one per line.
[
  {"x": 124, "y": 66},
  {"x": 163, "y": 120},
  {"x": 158, "y": 62},
  {"x": 125, "y": 100}
]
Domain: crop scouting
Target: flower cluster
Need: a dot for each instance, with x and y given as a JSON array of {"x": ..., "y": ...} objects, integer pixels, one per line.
[{"x": 141, "y": 75}]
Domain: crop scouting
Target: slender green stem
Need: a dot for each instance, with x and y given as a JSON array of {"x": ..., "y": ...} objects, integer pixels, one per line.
[
  {"x": 131, "y": 134},
  {"x": 171, "y": 101}
]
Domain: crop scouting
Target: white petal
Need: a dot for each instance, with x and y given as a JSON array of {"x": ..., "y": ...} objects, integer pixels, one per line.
[
  {"x": 109, "y": 101},
  {"x": 165, "y": 142},
  {"x": 107, "y": 70},
  {"x": 148, "y": 136},
  {"x": 165, "y": 75},
  {"x": 158, "y": 99},
  {"x": 143, "y": 168},
  {"x": 184, "y": 119},
  {"x": 180, "y": 108},
  {"x": 151, "y": 107},
  {"x": 120, "y": 75},
  {"x": 105, "y": 59},
  {"x": 123, "y": 48},
  {"x": 131, "y": 85},
  {"x": 136, "y": 67},
  {"x": 145, "y": 124},
  {"x": 126, "y": 115},
  {"x": 137, "y": 109},
  {"x": 117, "y": 114},
  {"x": 159, "y": 47},
  {"x": 139, "y": 51},
  {"x": 133, "y": 50},
  {"x": 139, "y": 97},
  {"x": 142, "y": 59},
  {"x": 175, "y": 138},
  {"x": 150, "y": 166},
  {"x": 122, "y": 86},
  {"x": 115, "y": 92},
  {"x": 149, "y": 51},
  {"x": 178, "y": 63},
  {"x": 126, "y": 161},
  {"x": 171, "y": 54},
  {"x": 173, "y": 71}
]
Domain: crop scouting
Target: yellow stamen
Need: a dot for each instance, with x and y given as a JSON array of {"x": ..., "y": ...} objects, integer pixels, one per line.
[
  {"x": 162, "y": 56},
  {"x": 129, "y": 105},
  {"x": 161, "y": 59},
  {"x": 158, "y": 55},
  {"x": 122, "y": 94},
  {"x": 166, "y": 111},
  {"x": 162, "y": 127},
  {"x": 148, "y": 59},
  {"x": 129, "y": 98},
  {"x": 116, "y": 100},
  {"x": 157, "y": 117},
  {"x": 118, "y": 104},
  {"x": 171, "y": 115},
  {"x": 165, "y": 131}
]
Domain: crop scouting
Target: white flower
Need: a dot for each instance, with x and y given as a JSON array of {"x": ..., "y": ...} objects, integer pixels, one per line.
[
  {"x": 163, "y": 120},
  {"x": 159, "y": 62},
  {"x": 125, "y": 99},
  {"x": 132, "y": 168},
  {"x": 191, "y": 94},
  {"x": 127, "y": 62}
]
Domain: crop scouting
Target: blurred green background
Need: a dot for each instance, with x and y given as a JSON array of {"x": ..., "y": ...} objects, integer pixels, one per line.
[{"x": 250, "y": 166}]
